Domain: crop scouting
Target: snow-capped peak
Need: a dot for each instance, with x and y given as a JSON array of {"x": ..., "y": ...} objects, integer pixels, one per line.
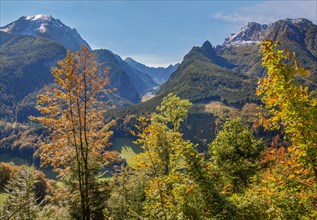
[
  {"x": 296, "y": 20},
  {"x": 255, "y": 33},
  {"x": 251, "y": 33},
  {"x": 39, "y": 17},
  {"x": 48, "y": 27}
]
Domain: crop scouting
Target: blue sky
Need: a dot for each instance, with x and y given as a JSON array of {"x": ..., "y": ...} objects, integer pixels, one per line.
[{"x": 158, "y": 33}]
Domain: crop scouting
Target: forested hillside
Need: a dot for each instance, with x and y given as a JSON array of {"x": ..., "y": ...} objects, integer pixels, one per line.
[{"x": 25, "y": 69}]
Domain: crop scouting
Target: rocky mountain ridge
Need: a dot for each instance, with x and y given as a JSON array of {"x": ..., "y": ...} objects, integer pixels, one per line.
[{"x": 254, "y": 33}]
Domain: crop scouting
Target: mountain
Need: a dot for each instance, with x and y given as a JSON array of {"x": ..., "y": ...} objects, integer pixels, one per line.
[
  {"x": 48, "y": 27},
  {"x": 130, "y": 83},
  {"x": 298, "y": 35},
  {"x": 204, "y": 76},
  {"x": 158, "y": 74},
  {"x": 229, "y": 72}
]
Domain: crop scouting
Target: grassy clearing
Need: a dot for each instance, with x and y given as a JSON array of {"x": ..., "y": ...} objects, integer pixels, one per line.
[
  {"x": 220, "y": 109},
  {"x": 126, "y": 147},
  {"x": 3, "y": 198},
  {"x": 248, "y": 112}
]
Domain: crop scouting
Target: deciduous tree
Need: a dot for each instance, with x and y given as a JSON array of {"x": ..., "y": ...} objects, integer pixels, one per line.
[
  {"x": 291, "y": 105},
  {"x": 74, "y": 114}
]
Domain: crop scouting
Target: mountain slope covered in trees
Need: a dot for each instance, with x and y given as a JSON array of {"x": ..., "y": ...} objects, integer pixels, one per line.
[{"x": 25, "y": 68}]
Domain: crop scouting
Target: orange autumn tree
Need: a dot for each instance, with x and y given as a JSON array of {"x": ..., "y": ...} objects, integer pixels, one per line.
[{"x": 74, "y": 115}]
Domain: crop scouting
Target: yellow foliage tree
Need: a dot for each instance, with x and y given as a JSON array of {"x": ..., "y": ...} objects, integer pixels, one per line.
[
  {"x": 290, "y": 105},
  {"x": 181, "y": 184},
  {"x": 287, "y": 186},
  {"x": 162, "y": 158}
]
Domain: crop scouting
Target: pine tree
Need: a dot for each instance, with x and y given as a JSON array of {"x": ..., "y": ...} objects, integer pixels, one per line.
[
  {"x": 235, "y": 154},
  {"x": 22, "y": 200}
]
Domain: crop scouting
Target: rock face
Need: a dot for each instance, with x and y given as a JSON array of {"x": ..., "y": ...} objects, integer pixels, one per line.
[
  {"x": 48, "y": 27},
  {"x": 298, "y": 35}
]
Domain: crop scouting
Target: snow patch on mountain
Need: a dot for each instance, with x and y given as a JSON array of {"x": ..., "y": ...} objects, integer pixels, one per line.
[
  {"x": 42, "y": 28},
  {"x": 250, "y": 34},
  {"x": 39, "y": 17}
]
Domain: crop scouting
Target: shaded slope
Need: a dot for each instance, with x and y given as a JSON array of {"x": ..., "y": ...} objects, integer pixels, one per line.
[
  {"x": 119, "y": 79},
  {"x": 26, "y": 62},
  {"x": 141, "y": 81}
]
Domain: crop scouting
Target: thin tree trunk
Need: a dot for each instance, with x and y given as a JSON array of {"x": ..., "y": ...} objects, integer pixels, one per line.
[{"x": 86, "y": 145}]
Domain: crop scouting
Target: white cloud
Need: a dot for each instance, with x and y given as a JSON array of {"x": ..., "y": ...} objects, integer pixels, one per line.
[
  {"x": 270, "y": 11},
  {"x": 234, "y": 17}
]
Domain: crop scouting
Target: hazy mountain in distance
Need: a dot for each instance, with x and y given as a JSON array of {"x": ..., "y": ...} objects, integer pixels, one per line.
[
  {"x": 158, "y": 74},
  {"x": 124, "y": 77}
]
